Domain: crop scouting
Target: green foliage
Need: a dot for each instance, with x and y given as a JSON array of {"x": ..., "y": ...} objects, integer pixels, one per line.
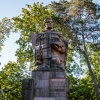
[
  {"x": 78, "y": 19},
  {"x": 11, "y": 82},
  {"x": 31, "y": 19},
  {"x": 73, "y": 68},
  {"x": 95, "y": 62},
  {"x": 82, "y": 19},
  {"x": 81, "y": 89},
  {"x": 5, "y": 28}
]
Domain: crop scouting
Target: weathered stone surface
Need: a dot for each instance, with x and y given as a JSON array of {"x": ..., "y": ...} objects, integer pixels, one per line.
[
  {"x": 60, "y": 74},
  {"x": 36, "y": 75},
  {"x": 57, "y": 74},
  {"x": 58, "y": 84},
  {"x": 44, "y": 98},
  {"x": 57, "y": 94},
  {"x": 40, "y": 84},
  {"x": 27, "y": 92},
  {"x": 51, "y": 47},
  {"x": 42, "y": 92},
  {"x": 49, "y": 76},
  {"x": 58, "y": 87},
  {"x": 50, "y": 98},
  {"x": 46, "y": 83},
  {"x": 60, "y": 98},
  {"x": 50, "y": 84},
  {"x": 38, "y": 98}
]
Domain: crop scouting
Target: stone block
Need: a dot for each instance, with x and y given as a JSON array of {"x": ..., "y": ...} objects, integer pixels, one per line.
[
  {"x": 42, "y": 92},
  {"x": 60, "y": 98},
  {"x": 57, "y": 94},
  {"x": 39, "y": 74},
  {"x": 44, "y": 98},
  {"x": 42, "y": 83},
  {"x": 39, "y": 98},
  {"x": 27, "y": 92},
  {"x": 50, "y": 84},
  {"x": 46, "y": 94},
  {"x": 49, "y": 98},
  {"x": 60, "y": 75},
  {"x": 45, "y": 75},
  {"x": 46, "y": 83},
  {"x": 36, "y": 75},
  {"x": 67, "y": 85},
  {"x": 57, "y": 74},
  {"x": 39, "y": 92},
  {"x": 58, "y": 84}
]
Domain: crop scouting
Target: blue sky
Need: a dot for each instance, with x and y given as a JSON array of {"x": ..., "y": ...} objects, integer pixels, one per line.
[{"x": 11, "y": 8}]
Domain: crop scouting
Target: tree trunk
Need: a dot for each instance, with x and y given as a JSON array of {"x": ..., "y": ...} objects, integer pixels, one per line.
[{"x": 91, "y": 74}]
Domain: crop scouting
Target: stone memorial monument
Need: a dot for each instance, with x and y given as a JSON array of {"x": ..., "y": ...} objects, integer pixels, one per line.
[{"x": 49, "y": 80}]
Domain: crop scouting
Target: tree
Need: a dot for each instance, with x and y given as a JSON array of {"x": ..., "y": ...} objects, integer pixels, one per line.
[
  {"x": 5, "y": 28},
  {"x": 11, "y": 81},
  {"x": 81, "y": 89},
  {"x": 11, "y": 75},
  {"x": 95, "y": 62},
  {"x": 80, "y": 21},
  {"x": 31, "y": 19}
]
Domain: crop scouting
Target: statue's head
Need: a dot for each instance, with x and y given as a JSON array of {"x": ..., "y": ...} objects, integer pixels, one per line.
[{"x": 48, "y": 23}]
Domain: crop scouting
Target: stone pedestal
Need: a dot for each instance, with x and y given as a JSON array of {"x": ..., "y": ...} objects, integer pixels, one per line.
[
  {"x": 50, "y": 85},
  {"x": 27, "y": 93}
]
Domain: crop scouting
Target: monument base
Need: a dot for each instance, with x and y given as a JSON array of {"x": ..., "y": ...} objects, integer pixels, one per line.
[
  {"x": 50, "y": 85},
  {"x": 49, "y": 98}
]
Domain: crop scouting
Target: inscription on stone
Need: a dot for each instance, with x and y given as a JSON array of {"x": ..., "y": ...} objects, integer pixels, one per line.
[{"x": 58, "y": 84}]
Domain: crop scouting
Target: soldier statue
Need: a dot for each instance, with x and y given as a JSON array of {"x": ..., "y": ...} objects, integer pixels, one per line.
[{"x": 49, "y": 48}]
